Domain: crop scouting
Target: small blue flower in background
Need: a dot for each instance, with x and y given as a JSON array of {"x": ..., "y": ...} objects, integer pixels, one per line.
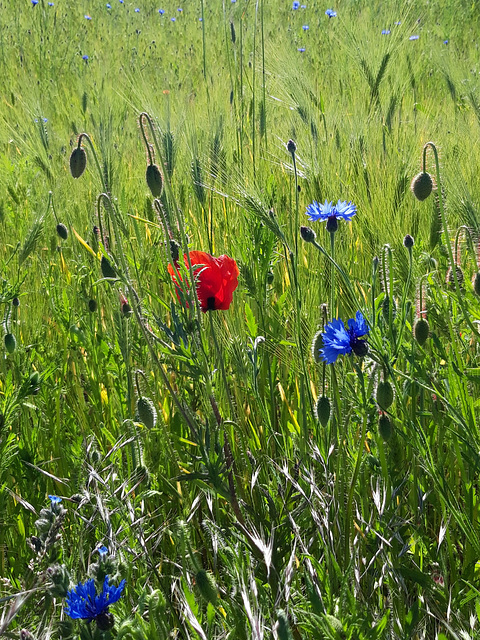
[
  {"x": 200, "y": 19},
  {"x": 102, "y": 551},
  {"x": 87, "y": 17},
  {"x": 34, "y": 2},
  {"x": 338, "y": 340},
  {"x": 295, "y": 5},
  {"x": 304, "y": 6},
  {"x": 173, "y": 19},
  {"x": 82, "y": 602},
  {"x": 137, "y": 10},
  {"x": 331, "y": 13},
  {"x": 85, "y": 57},
  {"x": 445, "y": 42},
  {"x": 414, "y": 37},
  {"x": 50, "y": 4},
  {"x": 305, "y": 27},
  {"x": 330, "y": 213},
  {"x": 398, "y": 23},
  {"x": 180, "y": 10},
  {"x": 301, "y": 49},
  {"x": 121, "y": 1},
  {"x": 109, "y": 6},
  {"x": 53, "y": 499},
  {"x": 385, "y": 32},
  {"x": 161, "y": 11}
]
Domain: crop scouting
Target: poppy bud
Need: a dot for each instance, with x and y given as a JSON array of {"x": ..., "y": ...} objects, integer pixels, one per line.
[
  {"x": 92, "y": 306},
  {"x": 384, "y": 394},
  {"x": 107, "y": 270},
  {"x": 283, "y": 628},
  {"x": 422, "y": 185},
  {"x": 154, "y": 180},
  {"x": 308, "y": 235},
  {"x": 78, "y": 162},
  {"x": 291, "y": 146},
  {"x": 408, "y": 241},
  {"x": 207, "y": 586},
  {"x": 421, "y": 330},
  {"x": 174, "y": 250},
  {"x": 322, "y": 410},
  {"x": 62, "y": 231},
  {"x": 476, "y": 283},
  {"x": 146, "y": 412},
  {"x": 10, "y": 342},
  {"x": 126, "y": 310},
  {"x": 450, "y": 278},
  {"x": 385, "y": 427}
]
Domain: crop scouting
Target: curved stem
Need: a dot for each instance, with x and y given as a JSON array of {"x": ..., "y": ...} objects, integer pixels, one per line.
[
  {"x": 144, "y": 136},
  {"x": 95, "y": 157},
  {"x": 332, "y": 276},
  {"x": 447, "y": 239}
]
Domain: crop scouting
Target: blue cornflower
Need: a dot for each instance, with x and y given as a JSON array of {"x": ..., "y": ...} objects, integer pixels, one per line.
[
  {"x": 445, "y": 42},
  {"x": 172, "y": 19},
  {"x": 102, "y": 551},
  {"x": 87, "y": 17},
  {"x": 137, "y": 10},
  {"x": 331, "y": 13},
  {"x": 385, "y": 32},
  {"x": 50, "y": 4},
  {"x": 414, "y": 37},
  {"x": 55, "y": 499},
  {"x": 34, "y": 2},
  {"x": 109, "y": 6},
  {"x": 83, "y": 603},
  {"x": 398, "y": 23},
  {"x": 295, "y": 5},
  {"x": 338, "y": 340},
  {"x": 305, "y": 27},
  {"x": 161, "y": 11},
  {"x": 85, "y": 57},
  {"x": 330, "y": 213},
  {"x": 301, "y": 49},
  {"x": 179, "y": 10}
]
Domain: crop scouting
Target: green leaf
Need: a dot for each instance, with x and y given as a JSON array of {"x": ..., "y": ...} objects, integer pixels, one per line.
[{"x": 251, "y": 323}]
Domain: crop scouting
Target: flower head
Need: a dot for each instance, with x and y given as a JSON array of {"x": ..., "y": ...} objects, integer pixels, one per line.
[
  {"x": 84, "y": 603},
  {"x": 216, "y": 279},
  {"x": 55, "y": 499},
  {"x": 385, "y": 32},
  {"x": 414, "y": 37},
  {"x": 305, "y": 27},
  {"x": 330, "y": 213},
  {"x": 161, "y": 11},
  {"x": 295, "y": 5},
  {"x": 331, "y": 13},
  {"x": 339, "y": 340},
  {"x": 85, "y": 57}
]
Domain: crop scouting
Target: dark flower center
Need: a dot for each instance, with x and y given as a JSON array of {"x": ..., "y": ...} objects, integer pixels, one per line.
[{"x": 211, "y": 303}]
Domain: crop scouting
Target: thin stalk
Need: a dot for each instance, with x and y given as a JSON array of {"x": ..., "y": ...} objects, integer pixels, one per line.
[
  {"x": 332, "y": 275},
  {"x": 221, "y": 363}
]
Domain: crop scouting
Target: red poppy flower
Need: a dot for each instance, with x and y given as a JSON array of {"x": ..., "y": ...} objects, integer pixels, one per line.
[{"x": 216, "y": 279}]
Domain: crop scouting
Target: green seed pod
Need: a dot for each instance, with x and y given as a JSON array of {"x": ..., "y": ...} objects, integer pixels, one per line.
[
  {"x": 317, "y": 344},
  {"x": 107, "y": 270},
  {"x": 476, "y": 283},
  {"x": 421, "y": 330},
  {"x": 322, "y": 410},
  {"x": 62, "y": 231},
  {"x": 422, "y": 186},
  {"x": 385, "y": 427},
  {"x": 154, "y": 180},
  {"x": 384, "y": 394},
  {"x": 308, "y": 234},
  {"x": 78, "y": 162},
  {"x": 283, "y": 628},
  {"x": 10, "y": 342},
  {"x": 207, "y": 586},
  {"x": 146, "y": 412},
  {"x": 386, "y": 307}
]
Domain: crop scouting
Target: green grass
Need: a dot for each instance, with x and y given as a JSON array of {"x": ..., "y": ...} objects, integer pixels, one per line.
[{"x": 305, "y": 529}]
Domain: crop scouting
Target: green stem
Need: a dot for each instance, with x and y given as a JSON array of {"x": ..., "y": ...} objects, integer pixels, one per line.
[
  {"x": 332, "y": 275},
  {"x": 447, "y": 236},
  {"x": 221, "y": 363}
]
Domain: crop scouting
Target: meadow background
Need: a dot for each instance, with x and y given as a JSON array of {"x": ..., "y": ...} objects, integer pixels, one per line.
[{"x": 233, "y": 511}]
